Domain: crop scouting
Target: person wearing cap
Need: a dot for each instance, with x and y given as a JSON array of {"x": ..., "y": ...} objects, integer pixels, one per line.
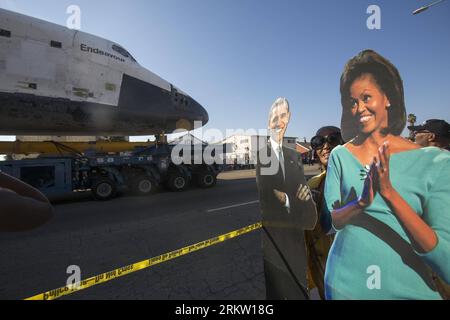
[{"x": 432, "y": 133}]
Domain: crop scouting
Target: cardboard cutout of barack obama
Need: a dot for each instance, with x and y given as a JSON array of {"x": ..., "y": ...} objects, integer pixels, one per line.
[{"x": 280, "y": 180}]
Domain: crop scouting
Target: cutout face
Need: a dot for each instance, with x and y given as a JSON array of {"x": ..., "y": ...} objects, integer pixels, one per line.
[
  {"x": 369, "y": 105},
  {"x": 279, "y": 118}
]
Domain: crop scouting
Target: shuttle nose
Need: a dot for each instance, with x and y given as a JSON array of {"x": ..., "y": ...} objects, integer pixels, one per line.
[
  {"x": 201, "y": 113},
  {"x": 192, "y": 115}
]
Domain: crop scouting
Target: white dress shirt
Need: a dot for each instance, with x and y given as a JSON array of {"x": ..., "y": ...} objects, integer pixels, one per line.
[{"x": 278, "y": 150}]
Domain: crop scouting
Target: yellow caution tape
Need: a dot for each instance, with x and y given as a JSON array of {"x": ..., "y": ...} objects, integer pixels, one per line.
[{"x": 120, "y": 272}]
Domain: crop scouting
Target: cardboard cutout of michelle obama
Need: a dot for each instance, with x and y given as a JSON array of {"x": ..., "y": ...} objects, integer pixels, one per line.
[
  {"x": 387, "y": 197},
  {"x": 280, "y": 176}
]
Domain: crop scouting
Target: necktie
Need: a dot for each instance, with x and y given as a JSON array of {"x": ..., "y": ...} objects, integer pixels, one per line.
[{"x": 281, "y": 159}]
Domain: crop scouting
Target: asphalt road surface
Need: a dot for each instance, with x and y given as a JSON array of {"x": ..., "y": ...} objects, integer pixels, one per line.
[{"x": 102, "y": 236}]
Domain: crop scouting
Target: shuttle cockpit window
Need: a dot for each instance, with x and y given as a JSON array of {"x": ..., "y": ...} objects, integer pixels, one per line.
[
  {"x": 5, "y": 33},
  {"x": 123, "y": 52}
]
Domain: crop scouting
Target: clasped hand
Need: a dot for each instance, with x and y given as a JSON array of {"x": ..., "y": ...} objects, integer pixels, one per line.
[
  {"x": 304, "y": 193},
  {"x": 378, "y": 178}
]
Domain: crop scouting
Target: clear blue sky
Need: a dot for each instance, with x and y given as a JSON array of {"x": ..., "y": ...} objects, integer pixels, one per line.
[{"x": 237, "y": 57}]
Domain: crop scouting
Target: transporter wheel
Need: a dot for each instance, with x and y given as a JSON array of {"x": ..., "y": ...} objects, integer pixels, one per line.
[
  {"x": 206, "y": 179},
  {"x": 177, "y": 181},
  {"x": 144, "y": 185},
  {"x": 104, "y": 189}
]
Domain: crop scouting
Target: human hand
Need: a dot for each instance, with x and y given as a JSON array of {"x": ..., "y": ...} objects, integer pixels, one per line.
[
  {"x": 382, "y": 181},
  {"x": 368, "y": 192},
  {"x": 304, "y": 193},
  {"x": 281, "y": 196}
]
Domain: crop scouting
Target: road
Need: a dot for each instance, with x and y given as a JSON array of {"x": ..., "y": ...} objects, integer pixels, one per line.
[{"x": 102, "y": 236}]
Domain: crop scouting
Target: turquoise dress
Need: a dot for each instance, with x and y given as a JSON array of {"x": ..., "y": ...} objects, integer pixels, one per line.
[{"x": 372, "y": 258}]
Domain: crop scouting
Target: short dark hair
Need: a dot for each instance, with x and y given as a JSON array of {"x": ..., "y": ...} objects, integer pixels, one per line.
[{"x": 388, "y": 80}]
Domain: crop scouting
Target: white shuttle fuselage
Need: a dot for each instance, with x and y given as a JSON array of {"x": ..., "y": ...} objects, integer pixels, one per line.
[{"x": 57, "y": 81}]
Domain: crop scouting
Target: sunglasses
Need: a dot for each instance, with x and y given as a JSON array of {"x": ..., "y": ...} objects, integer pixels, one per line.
[{"x": 318, "y": 142}]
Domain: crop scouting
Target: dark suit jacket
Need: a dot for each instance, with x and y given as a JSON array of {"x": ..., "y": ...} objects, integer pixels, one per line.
[{"x": 285, "y": 258}]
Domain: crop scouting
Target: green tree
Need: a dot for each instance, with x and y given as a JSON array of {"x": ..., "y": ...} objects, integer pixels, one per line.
[{"x": 412, "y": 119}]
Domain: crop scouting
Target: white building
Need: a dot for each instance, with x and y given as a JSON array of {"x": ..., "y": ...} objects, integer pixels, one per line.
[{"x": 243, "y": 148}]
